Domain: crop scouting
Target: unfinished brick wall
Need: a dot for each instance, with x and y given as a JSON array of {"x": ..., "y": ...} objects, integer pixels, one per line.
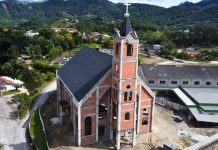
[
  {"x": 146, "y": 102},
  {"x": 88, "y": 109}
]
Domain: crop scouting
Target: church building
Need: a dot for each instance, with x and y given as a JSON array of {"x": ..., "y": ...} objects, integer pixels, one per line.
[{"x": 106, "y": 96}]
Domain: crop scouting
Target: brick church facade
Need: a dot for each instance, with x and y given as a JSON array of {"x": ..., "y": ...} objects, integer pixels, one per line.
[{"x": 106, "y": 96}]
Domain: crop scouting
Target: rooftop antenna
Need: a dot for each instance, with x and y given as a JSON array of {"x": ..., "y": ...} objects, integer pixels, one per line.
[{"x": 127, "y": 8}]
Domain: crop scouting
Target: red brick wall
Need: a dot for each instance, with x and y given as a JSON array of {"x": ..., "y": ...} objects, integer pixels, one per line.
[
  {"x": 90, "y": 139},
  {"x": 127, "y": 124},
  {"x": 129, "y": 70},
  {"x": 145, "y": 102},
  {"x": 89, "y": 109}
]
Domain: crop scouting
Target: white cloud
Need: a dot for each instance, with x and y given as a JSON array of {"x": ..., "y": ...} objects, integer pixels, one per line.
[{"x": 163, "y": 3}]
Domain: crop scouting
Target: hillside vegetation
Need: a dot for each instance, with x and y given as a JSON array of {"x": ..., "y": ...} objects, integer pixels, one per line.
[{"x": 12, "y": 11}]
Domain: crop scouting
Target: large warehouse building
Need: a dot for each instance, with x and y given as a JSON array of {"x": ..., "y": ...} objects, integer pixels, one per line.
[{"x": 196, "y": 87}]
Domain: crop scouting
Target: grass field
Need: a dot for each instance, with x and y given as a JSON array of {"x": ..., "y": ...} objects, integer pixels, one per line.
[
  {"x": 9, "y": 92},
  {"x": 36, "y": 131}
]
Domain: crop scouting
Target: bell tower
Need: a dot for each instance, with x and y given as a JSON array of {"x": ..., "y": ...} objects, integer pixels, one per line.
[{"x": 124, "y": 83}]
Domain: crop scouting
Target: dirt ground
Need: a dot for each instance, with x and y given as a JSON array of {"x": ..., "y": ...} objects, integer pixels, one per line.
[
  {"x": 164, "y": 128},
  {"x": 152, "y": 59}
]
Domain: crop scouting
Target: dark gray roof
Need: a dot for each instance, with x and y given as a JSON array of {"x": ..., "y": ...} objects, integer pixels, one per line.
[
  {"x": 126, "y": 27},
  {"x": 84, "y": 70},
  {"x": 185, "y": 71}
]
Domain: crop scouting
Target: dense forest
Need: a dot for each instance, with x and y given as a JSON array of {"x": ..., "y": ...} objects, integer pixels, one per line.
[{"x": 12, "y": 11}]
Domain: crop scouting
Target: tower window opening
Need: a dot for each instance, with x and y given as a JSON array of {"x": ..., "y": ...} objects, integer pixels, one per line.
[
  {"x": 127, "y": 116},
  {"x": 129, "y": 50},
  {"x": 125, "y": 96},
  {"x": 128, "y": 94}
]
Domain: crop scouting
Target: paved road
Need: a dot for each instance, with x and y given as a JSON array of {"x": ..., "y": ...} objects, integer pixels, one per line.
[{"x": 12, "y": 134}]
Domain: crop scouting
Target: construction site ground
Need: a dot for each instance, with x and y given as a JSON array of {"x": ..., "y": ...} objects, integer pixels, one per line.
[{"x": 164, "y": 129}]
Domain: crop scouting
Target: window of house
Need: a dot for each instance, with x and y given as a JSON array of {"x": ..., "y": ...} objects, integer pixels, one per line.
[
  {"x": 196, "y": 82},
  {"x": 185, "y": 82},
  {"x": 117, "y": 49},
  {"x": 151, "y": 82},
  {"x": 129, "y": 50},
  {"x": 127, "y": 116},
  {"x": 162, "y": 82},
  {"x": 208, "y": 83},
  {"x": 173, "y": 82},
  {"x": 88, "y": 126}
]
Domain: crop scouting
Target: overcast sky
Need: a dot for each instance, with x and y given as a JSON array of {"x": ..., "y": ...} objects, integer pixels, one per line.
[{"x": 163, "y": 3}]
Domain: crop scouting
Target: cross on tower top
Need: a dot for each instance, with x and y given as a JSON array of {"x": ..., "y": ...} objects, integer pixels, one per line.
[{"x": 127, "y": 8}]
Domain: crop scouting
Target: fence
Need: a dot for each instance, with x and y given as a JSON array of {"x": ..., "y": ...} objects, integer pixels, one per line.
[
  {"x": 43, "y": 126},
  {"x": 166, "y": 103}
]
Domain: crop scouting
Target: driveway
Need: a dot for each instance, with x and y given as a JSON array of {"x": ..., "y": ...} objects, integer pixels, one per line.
[{"x": 12, "y": 134}]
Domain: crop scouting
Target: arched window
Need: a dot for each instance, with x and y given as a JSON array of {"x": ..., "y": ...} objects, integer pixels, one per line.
[
  {"x": 129, "y": 50},
  {"x": 127, "y": 116},
  {"x": 145, "y": 109},
  {"x": 88, "y": 126}
]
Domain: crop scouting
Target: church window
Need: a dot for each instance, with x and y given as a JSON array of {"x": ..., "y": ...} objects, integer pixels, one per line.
[
  {"x": 127, "y": 116},
  {"x": 125, "y": 96},
  {"x": 129, "y": 50},
  {"x": 88, "y": 126},
  {"x": 144, "y": 118},
  {"x": 117, "y": 49},
  {"x": 115, "y": 92},
  {"x": 128, "y": 94}
]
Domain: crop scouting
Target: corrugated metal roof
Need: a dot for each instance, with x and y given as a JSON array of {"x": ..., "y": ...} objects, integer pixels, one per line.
[
  {"x": 204, "y": 95},
  {"x": 183, "y": 97},
  {"x": 180, "y": 71},
  {"x": 200, "y": 116}
]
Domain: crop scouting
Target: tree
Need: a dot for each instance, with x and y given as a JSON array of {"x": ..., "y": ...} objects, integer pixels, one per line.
[
  {"x": 1, "y": 146},
  {"x": 55, "y": 52}
]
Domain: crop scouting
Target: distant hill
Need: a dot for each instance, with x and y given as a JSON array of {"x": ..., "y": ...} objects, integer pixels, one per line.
[
  {"x": 203, "y": 3},
  {"x": 186, "y": 14}
]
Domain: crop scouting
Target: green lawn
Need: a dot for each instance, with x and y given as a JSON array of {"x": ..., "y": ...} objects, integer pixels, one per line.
[
  {"x": 36, "y": 131},
  {"x": 9, "y": 92}
]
